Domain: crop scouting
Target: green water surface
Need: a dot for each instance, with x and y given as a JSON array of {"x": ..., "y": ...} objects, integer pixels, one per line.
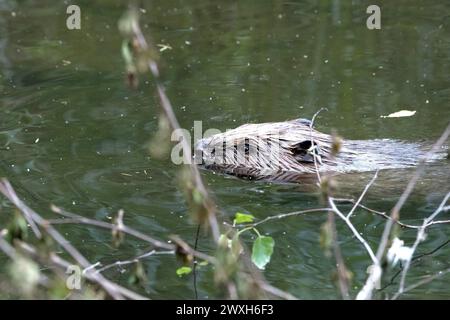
[{"x": 73, "y": 134}]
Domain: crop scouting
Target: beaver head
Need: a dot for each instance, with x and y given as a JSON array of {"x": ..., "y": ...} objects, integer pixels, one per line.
[{"x": 266, "y": 149}]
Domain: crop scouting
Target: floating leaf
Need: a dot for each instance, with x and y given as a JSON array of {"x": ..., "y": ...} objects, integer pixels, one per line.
[
  {"x": 183, "y": 271},
  {"x": 262, "y": 251},
  {"x": 164, "y": 47},
  {"x": 400, "y": 114},
  {"x": 243, "y": 218}
]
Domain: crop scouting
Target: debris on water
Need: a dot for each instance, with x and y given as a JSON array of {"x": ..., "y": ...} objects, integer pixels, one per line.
[
  {"x": 163, "y": 47},
  {"x": 400, "y": 114},
  {"x": 126, "y": 174}
]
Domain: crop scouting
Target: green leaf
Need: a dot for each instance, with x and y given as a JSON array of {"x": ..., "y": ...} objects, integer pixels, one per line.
[
  {"x": 183, "y": 271},
  {"x": 262, "y": 251},
  {"x": 243, "y": 218}
]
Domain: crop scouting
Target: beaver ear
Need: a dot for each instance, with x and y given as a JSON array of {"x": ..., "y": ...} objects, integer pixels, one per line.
[
  {"x": 300, "y": 151},
  {"x": 304, "y": 121}
]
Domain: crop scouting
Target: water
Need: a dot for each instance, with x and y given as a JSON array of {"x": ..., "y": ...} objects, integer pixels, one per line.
[{"x": 73, "y": 134}]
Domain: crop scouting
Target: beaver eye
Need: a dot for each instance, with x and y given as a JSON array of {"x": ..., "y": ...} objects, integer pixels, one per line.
[
  {"x": 305, "y": 145},
  {"x": 213, "y": 151}
]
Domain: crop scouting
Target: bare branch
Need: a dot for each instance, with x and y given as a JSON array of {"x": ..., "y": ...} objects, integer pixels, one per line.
[
  {"x": 395, "y": 213},
  {"x": 133, "y": 260},
  {"x": 353, "y": 229},
  {"x": 91, "y": 276},
  {"x": 8, "y": 192},
  {"x": 420, "y": 237},
  {"x": 74, "y": 219},
  {"x": 286, "y": 215},
  {"x": 170, "y": 114},
  {"x": 5, "y": 188},
  {"x": 375, "y": 275},
  {"x": 362, "y": 195}
]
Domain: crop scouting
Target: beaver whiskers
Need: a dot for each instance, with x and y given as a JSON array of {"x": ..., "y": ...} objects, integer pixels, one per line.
[{"x": 283, "y": 151}]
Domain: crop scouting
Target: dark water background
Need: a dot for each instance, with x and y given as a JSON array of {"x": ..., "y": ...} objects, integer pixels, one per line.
[{"x": 231, "y": 63}]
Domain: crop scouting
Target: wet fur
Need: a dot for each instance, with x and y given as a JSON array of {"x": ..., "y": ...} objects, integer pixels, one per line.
[{"x": 249, "y": 152}]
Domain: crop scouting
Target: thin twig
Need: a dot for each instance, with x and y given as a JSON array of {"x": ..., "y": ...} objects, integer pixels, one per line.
[
  {"x": 422, "y": 282},
  {"x": 133, "y": 260},
  {"x": 420, "y": 237},
  {"x": 353, "y": 229},
  {"x": 74, "y": 219},
  {"x": 5, "y": 189},
  {"x": 395, "y": 213},
  {"x": 319, "y": 179},
  {"x": 285, "y": 215},
  {"x": 362, "y": 195},
  {"x": 91, "y": 276},
  {"x": 194, "y": 268},
  {"x": 170, "y": 114},
  {"x": 277, "y": 292},
  {"x": 375, "y": 275},
  {"x": 8, "y": 192},
  {"x": 340, "y": 265},
  {"x": 414, "y": 259},
  {"x": 385, "y": 216}
]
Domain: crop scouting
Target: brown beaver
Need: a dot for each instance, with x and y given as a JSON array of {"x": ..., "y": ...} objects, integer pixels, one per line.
[{"x": 286, "y": 151}]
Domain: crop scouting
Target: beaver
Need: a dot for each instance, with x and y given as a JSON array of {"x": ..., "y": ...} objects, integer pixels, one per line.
[{"x": 287, "y": 151}]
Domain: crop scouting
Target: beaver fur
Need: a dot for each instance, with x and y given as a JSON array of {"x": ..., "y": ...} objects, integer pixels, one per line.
[{"x": 285, "y": 151}]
